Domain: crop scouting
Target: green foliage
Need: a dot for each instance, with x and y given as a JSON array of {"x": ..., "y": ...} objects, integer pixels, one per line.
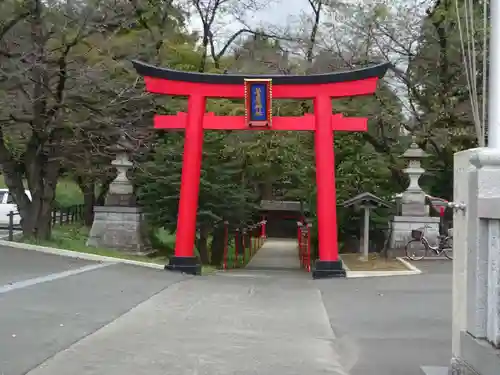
[
  {"x": 68, "y": 193},
  {"x": 224, "y": 191},
  {"x": 161, "y": 240}
]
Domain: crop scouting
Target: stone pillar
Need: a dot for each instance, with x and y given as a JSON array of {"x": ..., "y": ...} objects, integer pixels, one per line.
[
  {"x": 461, "y": 169},
  {"x": 476, "y": 268},
  {"x": 414, "y": 212},
  {"x": 119, "y": 223}
]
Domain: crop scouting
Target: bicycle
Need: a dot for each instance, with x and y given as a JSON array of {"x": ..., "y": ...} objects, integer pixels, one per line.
[{"x": 445, "y": 245}]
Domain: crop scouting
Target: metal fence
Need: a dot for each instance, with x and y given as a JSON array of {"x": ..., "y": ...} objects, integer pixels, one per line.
[{"x": 60, "y": 216}]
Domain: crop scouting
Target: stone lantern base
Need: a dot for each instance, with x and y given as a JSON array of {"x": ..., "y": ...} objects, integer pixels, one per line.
[
  {"x": 403, "y": 225},
  {"x": 120, "y": 228}
]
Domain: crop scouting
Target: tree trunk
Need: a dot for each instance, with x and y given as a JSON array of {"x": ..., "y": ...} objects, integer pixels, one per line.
[
  {"x": 88, "y": 204},
  {"x": 203, "y": 245},
  {"x": 36, "y": 216},
  {"x": 314, "y": 31},
  {"x": 239, "y": 242},
  {"x": 43, "y": 228},
  {"x": 40, "y": 164},
  {"x": 204, "y": 43},
  {"x": 218, "y": 235},
  {"x": 87, "y": 186},
  {"x": 267, "y": 190}
]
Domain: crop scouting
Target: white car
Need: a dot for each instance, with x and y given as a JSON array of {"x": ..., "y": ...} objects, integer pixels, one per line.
[{"x": 7, "y": 205}]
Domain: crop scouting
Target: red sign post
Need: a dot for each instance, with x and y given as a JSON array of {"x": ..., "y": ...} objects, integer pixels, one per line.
[{"x": 258, "y": 92}]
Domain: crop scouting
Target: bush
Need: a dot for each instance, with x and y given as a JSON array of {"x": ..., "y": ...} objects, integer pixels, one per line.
[{"x": 162, "y": 241}]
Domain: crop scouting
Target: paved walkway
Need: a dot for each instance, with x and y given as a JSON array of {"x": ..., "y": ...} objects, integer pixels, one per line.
[
  {"x": 49, "y": 302},
  {"x": 219, "y": 325},
  {"x": 83, "y": 318},
  {"x": 277, "y": 254}
]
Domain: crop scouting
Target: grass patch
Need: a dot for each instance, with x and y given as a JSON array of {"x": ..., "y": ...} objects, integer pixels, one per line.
[
  {"x": 74, "y": 236},
  {"x": 374, "y": 263}
]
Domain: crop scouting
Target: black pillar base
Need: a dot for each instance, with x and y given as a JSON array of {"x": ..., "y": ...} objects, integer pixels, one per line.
[
  {"x": 327, "y": 269},
  {"x": 188, "y": 265}
]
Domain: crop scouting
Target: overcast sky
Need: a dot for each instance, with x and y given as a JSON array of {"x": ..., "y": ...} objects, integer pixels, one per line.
[
  {"x": 275, "y": 12},
  {"x": 281, "y": 10}
]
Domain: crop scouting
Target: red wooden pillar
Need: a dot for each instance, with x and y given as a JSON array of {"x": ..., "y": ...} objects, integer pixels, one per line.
[
  {"x": 262, "y": 232},
  {"x": 255, "y": 228},
  {"x": 308, "y": 265},
  {"x": 226, "y": 243},
  {"x": 244, "y": 242},
  {"x": 299, "y": 232},
  {"x": 250, "y": 242},
  {"x": 328, "y": 264},
  {"x": 185, "y": 259},
  {"x": 237, "y": 247}
]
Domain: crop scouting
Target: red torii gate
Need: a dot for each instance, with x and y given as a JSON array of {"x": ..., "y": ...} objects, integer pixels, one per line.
[{"x": 258, "y": 92}]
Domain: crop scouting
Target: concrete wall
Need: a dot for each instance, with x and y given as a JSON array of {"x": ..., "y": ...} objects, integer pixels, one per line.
[
  {"x": 462, "y": 167},
  {"x": 476, "y": 265}
]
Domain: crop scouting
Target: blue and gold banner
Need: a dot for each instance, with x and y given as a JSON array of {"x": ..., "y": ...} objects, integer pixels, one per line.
[{"x": 258, "y": 102}]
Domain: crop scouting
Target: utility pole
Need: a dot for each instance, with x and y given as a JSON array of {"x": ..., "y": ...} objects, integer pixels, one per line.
[{"x": 494, "y": 77}]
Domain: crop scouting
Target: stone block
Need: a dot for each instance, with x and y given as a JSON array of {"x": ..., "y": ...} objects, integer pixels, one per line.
[
  {"x": 460, "y": 367},
  {"x": 481, "y": 251},
  {"x": 483, "y": 303},
  {"x": 461, "y": 169},
  {"x": 478, "y": 357},
  {"x": 403, "y": 225},
  {"x": 476, "y": 266},
  {"x": 124, "y": 200},
  {"x": 414, "y": 209},
  {"x": 120, "y": 228}
]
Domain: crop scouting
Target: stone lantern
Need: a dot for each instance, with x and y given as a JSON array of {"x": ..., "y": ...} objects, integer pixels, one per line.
[
  {"x": 413, "y": 198},
  {"x": 119, "y": 223},
  {"x": 121, "y": 191},
  {"x": 414, "y": 213}
]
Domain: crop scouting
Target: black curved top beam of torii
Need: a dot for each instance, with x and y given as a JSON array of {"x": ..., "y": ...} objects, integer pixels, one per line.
[{"x": 373, "y": 71}]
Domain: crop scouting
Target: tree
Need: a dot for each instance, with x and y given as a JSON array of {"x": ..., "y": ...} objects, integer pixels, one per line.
[
  {"x": 115, "y": 102},
  {"x": 38, "y": 70},
  {"x": 446, "y": 120},
  {"x": 214, "y": 15}
]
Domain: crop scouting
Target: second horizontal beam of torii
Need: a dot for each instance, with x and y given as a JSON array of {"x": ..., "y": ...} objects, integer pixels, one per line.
[{"x": 280, "y": 123}]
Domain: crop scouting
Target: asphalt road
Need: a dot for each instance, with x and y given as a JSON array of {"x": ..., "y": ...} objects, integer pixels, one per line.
[
  {"x": 48, "y": 302},
  {"x": 376, "y": 326},
  {"x": 393, "y": 325}
]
